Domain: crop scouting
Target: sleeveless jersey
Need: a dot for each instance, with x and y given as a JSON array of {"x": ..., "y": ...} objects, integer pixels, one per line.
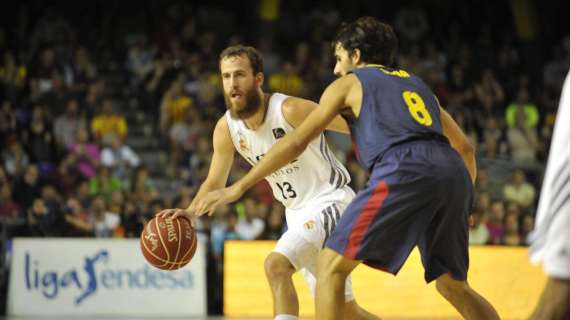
[
  {"x": 316, "y": 172},
  {"x": 397, "y": 107},
  {"x": 553, "y": 212}
]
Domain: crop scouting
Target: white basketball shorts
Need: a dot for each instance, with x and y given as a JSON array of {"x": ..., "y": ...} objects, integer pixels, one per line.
[{"x": 308, "y": 229}]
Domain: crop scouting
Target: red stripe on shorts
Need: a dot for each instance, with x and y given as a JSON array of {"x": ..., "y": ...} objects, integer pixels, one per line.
[{"x": 367, "y": 214}]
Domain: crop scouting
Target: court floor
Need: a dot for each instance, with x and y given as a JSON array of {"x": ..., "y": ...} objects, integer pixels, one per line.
[
  {"x": 185, "y": 318},
  {"x": 180, "y": 318},
  {"x": 175, "y": 318}
]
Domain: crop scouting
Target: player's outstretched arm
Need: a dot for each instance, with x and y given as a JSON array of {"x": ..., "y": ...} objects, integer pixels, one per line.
[
  {"x": 296, "y": 110},
  {"x": 459, "y": 142},
  {"x": 220, "y": 166},
  {"x": 286, "y": 149}
]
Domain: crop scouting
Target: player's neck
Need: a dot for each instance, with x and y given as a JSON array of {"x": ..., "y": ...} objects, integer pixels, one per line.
[
  {"x": 370, "y": 65},
  {"x": 256, "y": 120}
]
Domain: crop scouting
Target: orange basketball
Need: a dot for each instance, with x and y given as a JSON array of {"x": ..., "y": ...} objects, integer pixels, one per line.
[{"x": 167, "y": 243}]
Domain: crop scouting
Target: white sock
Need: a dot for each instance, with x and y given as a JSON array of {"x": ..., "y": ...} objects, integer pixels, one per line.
[{"x": 285, "y": 317}]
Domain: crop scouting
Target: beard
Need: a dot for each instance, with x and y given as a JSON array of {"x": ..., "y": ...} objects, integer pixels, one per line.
[{"x": 252, "y": 104}]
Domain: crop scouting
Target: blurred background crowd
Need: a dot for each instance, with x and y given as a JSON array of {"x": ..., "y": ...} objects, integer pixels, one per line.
[{"x": 106, "y": 110}]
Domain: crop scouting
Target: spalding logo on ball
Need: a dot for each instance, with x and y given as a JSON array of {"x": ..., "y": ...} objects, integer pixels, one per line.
[{"x": 167, "y": 243}]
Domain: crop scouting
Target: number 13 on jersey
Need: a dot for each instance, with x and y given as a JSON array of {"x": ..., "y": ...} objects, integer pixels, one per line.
[
  {"x": 287, "y": 191},
  {"x": 417, "y": 108}
]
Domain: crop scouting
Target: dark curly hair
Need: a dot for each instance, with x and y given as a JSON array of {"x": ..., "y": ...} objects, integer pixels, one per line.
[{"x": 376, "y": 40}]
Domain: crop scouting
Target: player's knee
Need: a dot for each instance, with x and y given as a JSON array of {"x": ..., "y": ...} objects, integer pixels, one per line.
[
  {"x": 449, "y": 287},
  {"x": 278, "y": 266}
]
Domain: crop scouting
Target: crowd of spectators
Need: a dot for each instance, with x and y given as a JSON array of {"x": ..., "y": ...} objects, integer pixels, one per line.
[{"x": 72, "y": 83}]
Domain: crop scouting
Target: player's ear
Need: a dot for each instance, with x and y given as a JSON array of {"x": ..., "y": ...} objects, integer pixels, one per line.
[
  {"x": 259, "y": 78},
  {"x": 355, "y": 57}
]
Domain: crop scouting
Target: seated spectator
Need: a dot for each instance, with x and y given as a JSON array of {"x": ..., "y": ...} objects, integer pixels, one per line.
[
  {"x": 493, "y": 145},
  {"x": 27, "y": 188},
  {"x": 524, "y": 105},
  {"x": 519, "y": 190},
  {"x": 201, "y": 155},
  {"x": 495, "y": 223},
  {"x": 9, "y": 210},
  {"x": 120, "y": 158},
  {"x": 83, "y": 194},
  {"x": 67, "y": 124},
  {"x": 527, "y": 227},
  {"x": 43, "y": 221},
  {"x": 79, "y": 222},
  {"x": 489, "y": 93},
  {"x": 460, "y": 92},
  {"x": 51, "y": 198},
  {"x": 174, "y": 110},
  {"x": 485, "y": 184},
  {"x": 84, "y": 154},
  {"x": 104, "y": 184},
  {"x": 174, "y": 115},
  {"x": 93, "y": 97},
  {"x": 64, "y": 178},
  {"x": 3, "y": 177},
  {"x": 131, "y": 220},
  {"x": 8, "y": 122},
  {"x": 478, "y": 232},
  {"x": 84, "y": 70},
  {"x": 512, "y": 235},
  {"x": 275, "y": 223},
  {"x": 14, "y": 157},
  {"x": 108, "y": 125},
  {"x": 104, "y": 222},
  {"x": 117, "y": 201},
  {"x": 523, "y": 140},
  {"x": 45, "y": 73},
  {"x": 514, "y": 209},
  {"x": 39, "y": 141},
  {"x": 13, "y": 74},
  {"x": 483, "y": 203},
  {"x": 250, "y": 226},
  {"x": 141, "y": 183}
]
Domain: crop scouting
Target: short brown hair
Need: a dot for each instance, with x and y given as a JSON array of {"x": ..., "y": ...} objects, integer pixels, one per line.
[{"x": 254, "y": 56}]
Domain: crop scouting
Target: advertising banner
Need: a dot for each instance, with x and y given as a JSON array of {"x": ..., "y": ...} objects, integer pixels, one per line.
[{"x": 100, "y": 277}]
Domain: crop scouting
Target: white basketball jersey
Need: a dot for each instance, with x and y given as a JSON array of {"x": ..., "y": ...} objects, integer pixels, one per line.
[
  {"x": 554, "y": 204},
  {"x": 315, "y": 173}
]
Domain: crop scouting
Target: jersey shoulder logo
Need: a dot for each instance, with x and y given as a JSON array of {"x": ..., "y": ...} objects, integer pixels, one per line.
[{"x": 278, "y": 133}]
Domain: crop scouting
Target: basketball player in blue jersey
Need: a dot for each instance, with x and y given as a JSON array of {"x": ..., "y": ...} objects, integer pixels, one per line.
[{"x": 421, "y": 166}]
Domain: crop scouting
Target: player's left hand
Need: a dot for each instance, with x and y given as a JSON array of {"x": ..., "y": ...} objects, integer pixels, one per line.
[{"x": 216, "y": 198}]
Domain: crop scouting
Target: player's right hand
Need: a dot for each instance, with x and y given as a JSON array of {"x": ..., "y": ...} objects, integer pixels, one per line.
[{"x": 175, "y": 213}]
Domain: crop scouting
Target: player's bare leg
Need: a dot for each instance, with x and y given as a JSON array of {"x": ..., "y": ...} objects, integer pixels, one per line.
[
  {"x": 332, "y": 270},
  {"x": 279, "y": 272},
  {"x": 554, "y": 302},
  {"x": 466, "y": 301}
]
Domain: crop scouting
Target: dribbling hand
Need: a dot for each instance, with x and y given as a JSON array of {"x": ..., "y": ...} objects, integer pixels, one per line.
[
  {"x": 216, "y": 198},
  {"x": 175, "y": 213}
]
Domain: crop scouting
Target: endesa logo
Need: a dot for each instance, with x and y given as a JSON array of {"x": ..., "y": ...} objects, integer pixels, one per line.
[{"x": 92, "y": 277}]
